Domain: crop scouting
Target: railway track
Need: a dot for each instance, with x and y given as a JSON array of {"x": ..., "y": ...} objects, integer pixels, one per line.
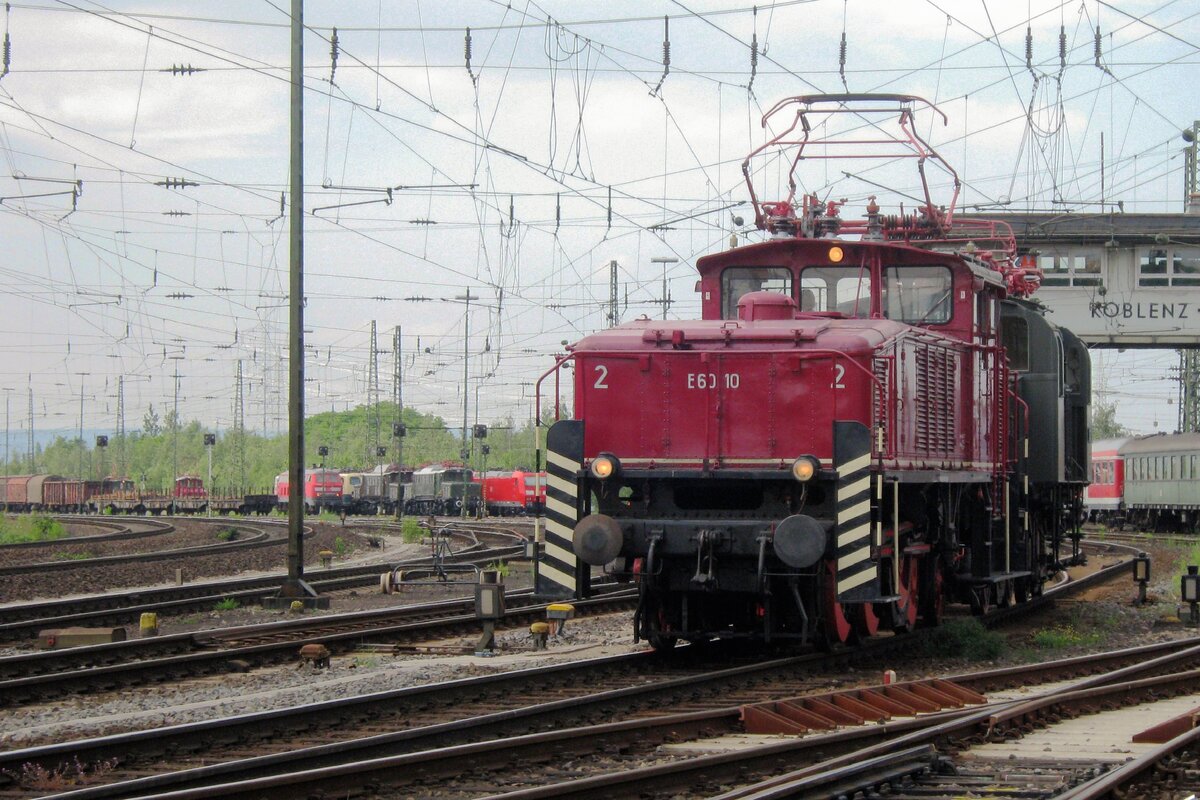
[
  {"x": 52, "y": 674},
  {"x": 117, "y": 530},
  {"x": 464, "y": 713},
  {"x": 23, "y": 621},
  {"x": 250, "y": 536}
]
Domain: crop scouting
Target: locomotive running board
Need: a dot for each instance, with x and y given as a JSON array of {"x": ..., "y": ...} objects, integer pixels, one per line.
[
  {"x": 560, "y": 574},
  {"x": 857, "y": 573}
]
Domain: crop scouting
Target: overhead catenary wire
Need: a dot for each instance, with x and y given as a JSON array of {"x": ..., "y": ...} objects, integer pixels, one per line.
[{"x": 561, "y": 213}]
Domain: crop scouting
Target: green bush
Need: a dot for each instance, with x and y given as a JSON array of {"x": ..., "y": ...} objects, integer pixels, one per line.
[
  {"x": 966, "y": 638},
  {"x": 499, "y": 566},
  {"x": 226, "y": 535},
  {"x": 340, "y": 547},
  {"x": 226, "y": 604},
  {"x": 33, "y": 528},
  {"x": 411, "y": 531}
]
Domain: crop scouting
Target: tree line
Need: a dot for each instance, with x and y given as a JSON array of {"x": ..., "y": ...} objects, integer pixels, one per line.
[{"x": 165, "y": 448}]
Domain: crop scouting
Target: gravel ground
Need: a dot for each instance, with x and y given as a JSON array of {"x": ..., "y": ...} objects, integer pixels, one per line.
[
  {"x": 278, "y": 687},
  {"x": 1103, "y": 620}
]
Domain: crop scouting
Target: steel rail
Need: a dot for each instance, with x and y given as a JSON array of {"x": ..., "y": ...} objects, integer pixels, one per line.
[
  {"x": 325, "y": 756},
  {"x": 190, "y": 658},
  {"x": 1111, "y": 784},
  {"x": 1086, "y": 662},
  {"x": 74, "y": 610},
  {"x": 327, "y": 768},
  {"x": 126, "y": 607},
  {"x": 259, "y": 538},
  {"x": 119, "y": 532}
]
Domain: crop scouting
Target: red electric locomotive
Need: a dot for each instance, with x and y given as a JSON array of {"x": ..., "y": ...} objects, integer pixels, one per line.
[
  {"x": 514, "y": 493},
  {"x": 322, "y": 490},
  {"x": 868, "y": 421}
]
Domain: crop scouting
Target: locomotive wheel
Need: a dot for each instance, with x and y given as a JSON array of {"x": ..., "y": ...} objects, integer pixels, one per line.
[
  {"x": 835, "y": 627},
  {"x": 981, "y": 599},
  {"x": 864, "y": 619},
  {"x": 1006, "y": 594},
  {"x": 905, "y": 610},
  {"x": 658, "y": 630},
  {"x": 932, "y": 591}
]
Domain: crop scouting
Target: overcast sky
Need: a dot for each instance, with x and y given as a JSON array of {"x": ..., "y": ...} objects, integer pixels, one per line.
[{"x": 155, "y": 135}]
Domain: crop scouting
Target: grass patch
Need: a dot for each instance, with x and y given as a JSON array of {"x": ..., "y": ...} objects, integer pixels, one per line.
[
  {"x": 499, "y": 566},
  {"x": 82, "y": 555},
  {"x": 32, "y": 528},
  {"x": 966, "y": 638},
  {"x": 1060, "y": 637},
  {"x": 411, "y": 531},
  {"x": 340, "y": 547},
  {"x": 226, "y": 604},
  {"x": 226, "y": 535},
  {"x": 1189, "y": 556}
]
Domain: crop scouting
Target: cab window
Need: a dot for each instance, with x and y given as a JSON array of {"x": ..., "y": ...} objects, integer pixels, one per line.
[
  {"x": 737, "y": 281},
  {"x": 919, "y": 295},
  {"x": 846, "y": 290}
]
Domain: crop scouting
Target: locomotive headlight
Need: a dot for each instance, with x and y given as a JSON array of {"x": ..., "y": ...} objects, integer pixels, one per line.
[
  {"x": 604, "y": 466},
  {"x": 804, "y": 468},
  {"x": 836, "y": 255}
]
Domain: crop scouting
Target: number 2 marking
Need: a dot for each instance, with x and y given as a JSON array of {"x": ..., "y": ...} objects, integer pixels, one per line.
[
  {"x": 600, "y": 378},
  {"x": 841, "y": 373}
]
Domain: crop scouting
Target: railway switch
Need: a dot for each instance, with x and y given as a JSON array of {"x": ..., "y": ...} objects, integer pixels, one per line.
[
  {"x": 1141, "y": 575},
  {"x": 1189, "y": 588},
  {"x": 489, "y": 607},
  {"x": 539, "y": 631},
  {"x": 558, "y": 614}
]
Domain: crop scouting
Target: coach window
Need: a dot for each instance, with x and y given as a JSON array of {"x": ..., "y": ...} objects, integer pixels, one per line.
[
  {"x": 737, "y": 281},
  {"x": 1074, "y": 268},
  {"x": 917, "y": 294}
]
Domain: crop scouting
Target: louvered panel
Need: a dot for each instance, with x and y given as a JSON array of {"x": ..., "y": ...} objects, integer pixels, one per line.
[
  {"x": 935, "y": 421},
  {"x": 921, "y": 442},
  {"x": 884, "y": 390}
]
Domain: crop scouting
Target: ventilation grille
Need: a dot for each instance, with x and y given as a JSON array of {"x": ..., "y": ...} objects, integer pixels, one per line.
[{"x": 936, "y": 369}]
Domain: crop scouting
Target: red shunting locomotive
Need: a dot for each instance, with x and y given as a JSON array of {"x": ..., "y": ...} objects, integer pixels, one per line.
[{"x": 871, "y": 420}]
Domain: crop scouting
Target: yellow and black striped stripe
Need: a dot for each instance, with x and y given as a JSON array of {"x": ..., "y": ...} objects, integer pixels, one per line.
[
  {"x": 857, "y": 573},
  {"x": 559, "y": 571}
]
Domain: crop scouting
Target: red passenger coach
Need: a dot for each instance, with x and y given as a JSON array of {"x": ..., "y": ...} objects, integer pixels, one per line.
[
  {"x": 843, "y": 442},
  {"x": 1104, "y": 498}
]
